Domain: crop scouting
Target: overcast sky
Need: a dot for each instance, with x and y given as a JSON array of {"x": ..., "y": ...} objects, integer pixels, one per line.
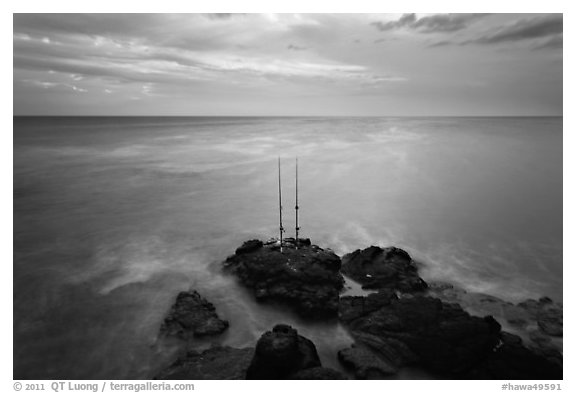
[{"x": 307, "y": 64}]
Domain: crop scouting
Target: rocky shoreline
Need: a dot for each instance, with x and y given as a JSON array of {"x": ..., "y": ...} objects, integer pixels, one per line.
[{"x": 406, "y": 322}]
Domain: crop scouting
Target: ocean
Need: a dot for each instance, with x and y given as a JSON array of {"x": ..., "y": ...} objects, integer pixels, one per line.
[{"x": 114, "y": 216}]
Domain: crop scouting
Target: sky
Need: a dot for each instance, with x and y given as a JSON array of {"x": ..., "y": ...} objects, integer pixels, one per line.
[{"x": 288, "y": 64}]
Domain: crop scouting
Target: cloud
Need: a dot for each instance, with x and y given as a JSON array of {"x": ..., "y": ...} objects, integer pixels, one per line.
[
  {"x": 185, "y": 54},
  {"x": 222, "y": 15},
  {"x": 544, "y": 32},
  {"x": 552, "y": 43},
  {"x": 199, "y": 63},
  {"x": 53, "y": 85},
  {"x": 405, "y": 20},
  {"x": 441, "y": 23},
  {"x": 296, "y": 47},
  {"x": 524, "y": 29}
]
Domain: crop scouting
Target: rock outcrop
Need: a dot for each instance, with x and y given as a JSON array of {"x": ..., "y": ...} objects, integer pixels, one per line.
[
  {"x": 438, "y": 336},
  {"x": 383, "y": 268},
  {"x": 192, "y": 315},
  {"x": 281, "y": 353},
  {"x": 307, "y": 278},
  {"x": 213, "y": 363},
  {"x": 319, "y": 373},
  {"x": 538, "y": 322},
  {"x": 438, "y": 327},
  {"x": 365, "y": 363},
  {"x": 548, "y": 315},
  {"x": 512, "y": 360}
]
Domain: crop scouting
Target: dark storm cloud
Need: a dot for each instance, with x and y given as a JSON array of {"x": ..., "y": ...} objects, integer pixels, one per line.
[
  {"x": 539, "y": 27},
  {"x": 441, "y": 23}
]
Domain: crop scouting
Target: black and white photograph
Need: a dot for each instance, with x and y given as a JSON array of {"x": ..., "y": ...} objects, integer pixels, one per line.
[{"x": 313, "y": 196}]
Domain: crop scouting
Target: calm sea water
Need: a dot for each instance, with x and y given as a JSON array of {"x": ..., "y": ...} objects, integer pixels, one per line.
[{"x": 114, "y": 216}]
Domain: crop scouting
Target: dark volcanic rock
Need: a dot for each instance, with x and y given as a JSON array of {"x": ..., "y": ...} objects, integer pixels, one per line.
[
  {"x": 307, "y": 278},
  {"x": 365, "y": 363},
  {"x": 192, "y": 314},
  {"x": 249, "y": 246},
  {"x": 440, "y": 336},
  {"x": 539, "y": 322},
  {"x": 282, "y": 353},
  {"x": 512, "y": 360},
  {"x": 214, "y": 363},
  {"x": 319, "y": 373},
  {"x": 548, "y": 314},
  {"x": 389, "y": 267}
]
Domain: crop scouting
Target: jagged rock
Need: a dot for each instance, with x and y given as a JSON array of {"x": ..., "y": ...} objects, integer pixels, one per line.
[
  {"x": 281, "y": 353},
  {"x": 392, "y": 350},
  {"x": 510, "y": 339},
  {"x": 365, "y": 363},
  {"x": 377, "y": 268},
  {"x": 512, "y": 360},
  {"x": 354, "y": 307},
  {"x": 214, "y": 363},
  {"x": 307, "y": 278},
  {"x": 439, "y": 336},
  {"x": 549, "y": 315},
  {"x": 191, "y": 314},
  {"x": 540, "y": 322},
  {"x": 249, "y": 246},
  {"x": 319, "y": 373}
]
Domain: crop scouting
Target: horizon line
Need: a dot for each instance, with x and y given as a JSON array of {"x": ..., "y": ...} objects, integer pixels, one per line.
[{"x": 289, "y": 116}]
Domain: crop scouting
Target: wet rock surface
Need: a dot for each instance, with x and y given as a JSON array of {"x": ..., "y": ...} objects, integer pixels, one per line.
[
  {"x": 306, "y": 278},
  {"x": 281, "y": 353},
  {"x": 319, "y": 373},
  {"x": 383, "y": 268},
  {"x": 192, "y": 315},
  {"x": 437, "y": 327},
  {"x": 538, "y": 322},
  {"x": 440, "y": 337},
  {"x": 548, "y": 315},
  {"x": 512, "y": 360},
  {"x": 365, "y": 364},
  {"x": 214, "y": 363}
]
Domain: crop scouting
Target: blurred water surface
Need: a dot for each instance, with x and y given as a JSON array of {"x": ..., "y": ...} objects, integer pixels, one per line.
[{"x": 114, "y": 216}]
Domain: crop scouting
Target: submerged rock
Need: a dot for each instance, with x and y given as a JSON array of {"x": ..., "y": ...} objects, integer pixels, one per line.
[
  {"x": 214, "y": 363},
  {"x": 377, "y": 268},
  {"x": 192, "y": 315},
  {"x": 281, "y": 353},
  {"x": 307, "y": 278}
]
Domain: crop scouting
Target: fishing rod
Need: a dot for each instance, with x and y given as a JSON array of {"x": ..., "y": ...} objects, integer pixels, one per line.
[
  {"x": 280, "y": 203},
  {"x": 296, "y": 208}
]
